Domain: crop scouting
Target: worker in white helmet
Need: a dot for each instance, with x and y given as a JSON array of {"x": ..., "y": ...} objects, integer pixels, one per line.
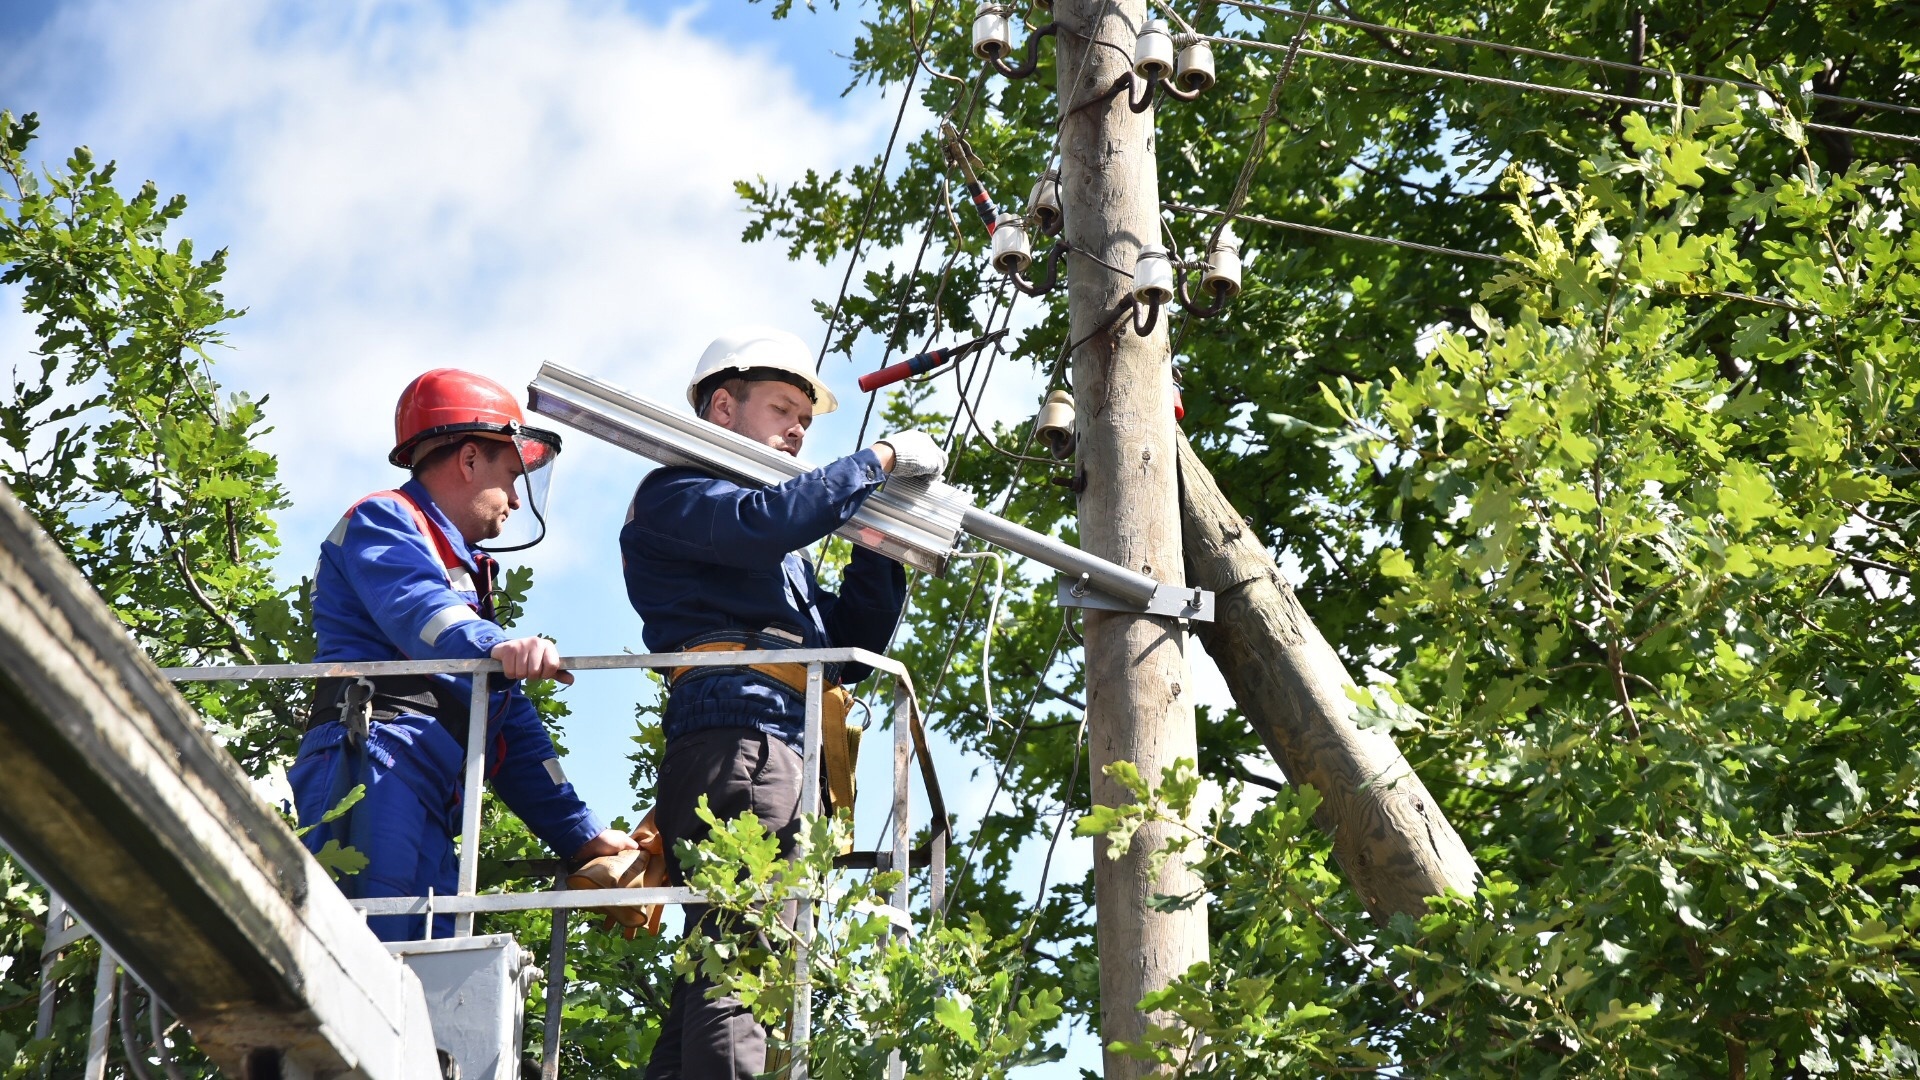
[{"x": 713, "y": 565}]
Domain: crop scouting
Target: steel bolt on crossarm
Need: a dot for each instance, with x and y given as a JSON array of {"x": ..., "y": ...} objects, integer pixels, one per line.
[{"x": 908, "y": 738}]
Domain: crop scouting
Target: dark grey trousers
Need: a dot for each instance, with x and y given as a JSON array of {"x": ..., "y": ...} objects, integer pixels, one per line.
[{"x": 739, "y": 770}]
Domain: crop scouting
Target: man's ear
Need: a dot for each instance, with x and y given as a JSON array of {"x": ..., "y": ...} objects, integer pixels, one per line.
[
  {"x": 469, "y": 459},
  {"x": 721, "y": 408}
]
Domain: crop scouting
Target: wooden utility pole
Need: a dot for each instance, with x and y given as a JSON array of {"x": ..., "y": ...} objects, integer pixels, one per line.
[
  {"x": 1388, "y": 834},
  {"x": 1138, "y": 700}
]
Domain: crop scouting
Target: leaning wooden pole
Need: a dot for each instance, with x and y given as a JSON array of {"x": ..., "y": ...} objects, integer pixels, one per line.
[{"x": 1389, "y": 835}]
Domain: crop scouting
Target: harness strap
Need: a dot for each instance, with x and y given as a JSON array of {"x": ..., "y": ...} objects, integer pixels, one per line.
[
  {"x": 839, "y": 744},
  {"x": 451, "y": 564},
  {"x": 393, "y": 694}
]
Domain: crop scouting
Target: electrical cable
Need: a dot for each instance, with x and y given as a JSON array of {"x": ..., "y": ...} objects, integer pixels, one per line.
[
  {"x": 1525, "y": 86},
  {"x": 1542, "y": 54},
  {"x": 993, "y": 616},
  {"x": 1340, "y": 234},
  {"x": 866, "y": 218},
  {"x": 919, "y": 46},
  {"x": 1481, "y": 256},
  {"x": 1258, "y": 146},
  {"x": 953, "y": 429},
  {"x": 1066, "y": 807},
  {"x": 899, "y": 316},
  {"x": 965, "y": 865},
  {"x": 1175, "y": 15}
]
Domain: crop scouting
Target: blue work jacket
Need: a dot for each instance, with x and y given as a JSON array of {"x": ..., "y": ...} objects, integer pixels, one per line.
[
  {"x": 381, "y": 593},
  {"x": 707, "y": 559}
]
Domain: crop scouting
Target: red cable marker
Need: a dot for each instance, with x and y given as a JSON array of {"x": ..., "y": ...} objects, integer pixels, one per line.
[
  {"x": 905, "y": 369},
  {"x": 983, "y": 205},
  {"x": 925, "y": 362}
]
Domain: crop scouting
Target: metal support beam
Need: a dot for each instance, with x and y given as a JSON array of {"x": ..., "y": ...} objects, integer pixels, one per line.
[
  {"x": 556, "y": 990},
  {"x": 471, "y": 795},
  {"x": 915, "y": 521}
]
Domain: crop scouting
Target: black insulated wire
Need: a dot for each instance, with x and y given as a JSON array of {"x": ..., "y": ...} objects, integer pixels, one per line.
[
  {"x": 1153, "y": 317},
  {"x": 1051, "y": 261},
  {"x": 1031, "y": 63},
  {"x": 866, "y": 218},
  {"x": 1198, "y": 311}
]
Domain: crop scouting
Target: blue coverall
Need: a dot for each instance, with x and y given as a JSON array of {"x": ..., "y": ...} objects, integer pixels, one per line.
[
  {"x": 382, "y": 593},
  {"x": 708, "y": 560}
]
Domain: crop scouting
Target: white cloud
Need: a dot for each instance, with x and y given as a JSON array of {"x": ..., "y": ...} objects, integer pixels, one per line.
[{"x": 405, "y": 187}]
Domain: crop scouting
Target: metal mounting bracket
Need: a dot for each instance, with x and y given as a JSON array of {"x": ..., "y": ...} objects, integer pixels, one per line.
[{"x": 1175, "y": 601}]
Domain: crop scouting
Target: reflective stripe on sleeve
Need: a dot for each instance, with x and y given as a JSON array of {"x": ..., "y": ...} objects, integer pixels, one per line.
[
  {"x": 448, "y": 617},
  {"x": 554, "y": 771}
]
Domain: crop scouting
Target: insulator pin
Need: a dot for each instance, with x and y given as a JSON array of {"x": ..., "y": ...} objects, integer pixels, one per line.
[
  {"x": 992, "y": 32},
  {"x": 1222, "y": 277},
  {"x": 1043, "y": 205},
  {"x": 1152, "y": 276},
  {"x": 1054, "y": 425},
  {"x": 1193, "y": 69},
  {"x": 1012, "y": 252},
  {"x": 1153, "y": 51}
]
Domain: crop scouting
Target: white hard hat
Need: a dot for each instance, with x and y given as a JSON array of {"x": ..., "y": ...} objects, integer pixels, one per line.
[{"x": 746, "y": 347}]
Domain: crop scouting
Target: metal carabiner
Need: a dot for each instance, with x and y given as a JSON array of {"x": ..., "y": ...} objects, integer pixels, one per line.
[{"x": 356, "y": 711}]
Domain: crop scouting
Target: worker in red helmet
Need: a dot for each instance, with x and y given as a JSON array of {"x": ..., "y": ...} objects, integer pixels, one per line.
[{"x": 407, "y": 575}]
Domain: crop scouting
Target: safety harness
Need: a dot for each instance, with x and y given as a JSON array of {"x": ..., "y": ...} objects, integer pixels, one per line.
[
  {"x": 839, "y": 744},
  {"x": 360, "y": 700}
]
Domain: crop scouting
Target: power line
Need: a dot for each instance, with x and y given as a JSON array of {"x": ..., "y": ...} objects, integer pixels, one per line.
[
  {"x": 1339, "y": 234},
  {"x": 899, "y": 316},
  {"x": 1525, "y": 86},
  {"x": 866, "y": 219},
  {"x": 1481, "y": 256},
  {"x": 1259, "y": 144},
  {"x": 1000, "y": 775},
  {"x": 1547, "y": 54}
]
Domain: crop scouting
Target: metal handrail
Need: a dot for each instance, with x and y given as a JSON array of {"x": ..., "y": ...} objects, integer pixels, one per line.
[{"x": 468, "y": 901}]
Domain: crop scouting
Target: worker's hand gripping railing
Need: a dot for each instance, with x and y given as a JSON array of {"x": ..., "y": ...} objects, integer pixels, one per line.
[{"x": 908, "y": 739}]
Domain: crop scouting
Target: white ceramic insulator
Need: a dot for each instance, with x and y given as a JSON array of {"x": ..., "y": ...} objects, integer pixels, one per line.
[
  {"x": 1153, "y": 51},
  {"x": 1152, "y": 276},
  {"x": 1012, "y": 252}
]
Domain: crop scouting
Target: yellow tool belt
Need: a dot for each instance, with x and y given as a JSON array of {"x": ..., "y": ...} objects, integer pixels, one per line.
[{"x": 839, "y": 744}]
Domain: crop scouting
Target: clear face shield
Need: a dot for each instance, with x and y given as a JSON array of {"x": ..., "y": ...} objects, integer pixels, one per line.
[{"x": 527, "y": 526}]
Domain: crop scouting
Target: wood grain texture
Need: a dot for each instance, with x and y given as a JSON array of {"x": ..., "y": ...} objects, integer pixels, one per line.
[
  {"x": 118, "y": 798},
  {"x": 1138, "y": 706},
  {"x": 1389, "y": 835}
]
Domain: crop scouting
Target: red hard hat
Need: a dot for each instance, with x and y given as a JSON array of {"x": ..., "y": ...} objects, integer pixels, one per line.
[{"x": 448, "y": 401}]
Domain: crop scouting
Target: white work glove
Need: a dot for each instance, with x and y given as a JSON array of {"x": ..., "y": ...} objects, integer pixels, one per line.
[{"x": 916, "y": 454}]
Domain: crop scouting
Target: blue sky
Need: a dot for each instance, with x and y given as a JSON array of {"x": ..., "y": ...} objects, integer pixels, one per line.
[{"x": 406, "y": 184}]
